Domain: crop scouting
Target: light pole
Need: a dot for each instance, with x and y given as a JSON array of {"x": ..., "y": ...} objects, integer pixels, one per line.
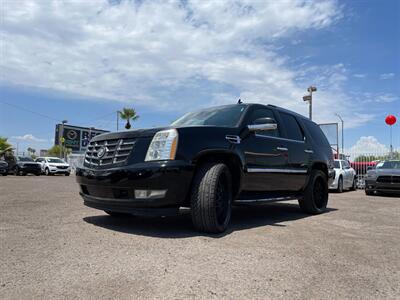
[
  {"x": 118, "y": 112},
  {"x": 341, "y": 120},
  {"x": 308, "y": 98},
  {"x": 61, "y": 138}
]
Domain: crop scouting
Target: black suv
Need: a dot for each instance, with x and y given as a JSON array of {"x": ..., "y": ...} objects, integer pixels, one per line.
[{"x": 209, "y": 160}]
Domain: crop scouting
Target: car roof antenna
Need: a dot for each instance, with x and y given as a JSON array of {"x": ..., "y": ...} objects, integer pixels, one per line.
[{"x": 239, "y": 101}]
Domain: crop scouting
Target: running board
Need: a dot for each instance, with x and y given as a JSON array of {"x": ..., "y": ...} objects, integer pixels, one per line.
[{"x": 265, "y": 200}]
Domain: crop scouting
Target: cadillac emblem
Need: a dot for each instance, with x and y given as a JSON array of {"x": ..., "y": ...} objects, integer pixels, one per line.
[{"x": 101, "y": 152}]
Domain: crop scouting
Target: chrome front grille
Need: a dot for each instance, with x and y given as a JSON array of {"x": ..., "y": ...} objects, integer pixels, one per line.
[{"x": 108, "y": 152}]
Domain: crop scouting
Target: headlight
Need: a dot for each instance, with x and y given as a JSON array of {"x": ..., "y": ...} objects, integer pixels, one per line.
[{"x": 163, "y": 145}]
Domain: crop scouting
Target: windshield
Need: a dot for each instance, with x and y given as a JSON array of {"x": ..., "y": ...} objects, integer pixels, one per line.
[
  {"x": 24, "y": 158},
  {"x": 394, "y": 164},
  {"x": 336, "y": 164},
  {"x": 55, "y": 160},
  {"x": 226, "y": 116}
]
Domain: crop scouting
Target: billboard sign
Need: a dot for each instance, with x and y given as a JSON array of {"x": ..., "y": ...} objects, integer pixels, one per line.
[
  {"x": 331, "y": 132},
  {"x": 75, "y": 137}
]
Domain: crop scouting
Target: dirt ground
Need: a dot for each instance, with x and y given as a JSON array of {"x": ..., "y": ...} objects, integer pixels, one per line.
[{"x": 54, "y": 247}]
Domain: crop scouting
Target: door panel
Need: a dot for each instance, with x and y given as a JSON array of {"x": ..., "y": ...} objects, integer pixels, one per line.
[{"x": 265, "y": 158}]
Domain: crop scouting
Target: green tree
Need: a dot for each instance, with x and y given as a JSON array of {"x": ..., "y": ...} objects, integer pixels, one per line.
[
  {"x": 4, "y": 144},
  {"x": 31, "y": 152},
  {"x": 128, "y": 114},
  {"x": 56, "y": 151}
]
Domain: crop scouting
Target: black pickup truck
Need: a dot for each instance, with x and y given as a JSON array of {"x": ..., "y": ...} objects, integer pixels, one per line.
[{"x": 209, "y": 160}]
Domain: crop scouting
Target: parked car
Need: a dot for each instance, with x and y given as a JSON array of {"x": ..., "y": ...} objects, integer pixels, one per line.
[
  {"x": 345, "y": 176},
  {"x": 53, "y": 165},
  {"x": 3, "y": 168},
  {"x": 209, "y": 160},
  {"x": 385, "y": 177},
  {"x": 25, "y": 165}
]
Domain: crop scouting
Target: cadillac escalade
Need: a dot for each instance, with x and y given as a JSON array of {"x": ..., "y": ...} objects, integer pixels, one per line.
[{"x": 208, "y": 161}]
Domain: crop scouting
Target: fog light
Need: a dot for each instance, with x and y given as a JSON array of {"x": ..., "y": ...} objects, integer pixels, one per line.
[{"x": 150, "y": 194}]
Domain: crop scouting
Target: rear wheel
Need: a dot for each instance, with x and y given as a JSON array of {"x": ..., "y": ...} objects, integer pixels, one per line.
[
  {"x": 117, "y": 214},
  {"x": 211, "y": 198},
  {"x": 315, "y": 197}
]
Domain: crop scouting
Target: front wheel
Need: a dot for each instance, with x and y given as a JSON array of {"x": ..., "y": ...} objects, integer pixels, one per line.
[
  {"x": 340, "y": 185},
  {"x": 211, "y": 198},
  {"x": 47, "y": 172},
  {"x": 315, "y": 197},
  {"x": 354, "y": 186},
  {"x": 369, "y": 192}
]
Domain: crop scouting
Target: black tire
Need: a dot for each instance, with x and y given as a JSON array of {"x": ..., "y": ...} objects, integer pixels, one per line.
[
  {"x": 66, "y": 174},
  {"x": 354, "y": 186},
  {"x": 115, "y": 214},
  {"x": 340, "y": 185},
  {"x": 16, "y": 171},
  {"x": 315, "y": 197},
  {"x": 211, "y": 198},
  {"x": 47, "y": 172},
  {"x": 369, "y": 192},
  {"x": 37, "y": 174},
  {"x": 4, "y": 174}
]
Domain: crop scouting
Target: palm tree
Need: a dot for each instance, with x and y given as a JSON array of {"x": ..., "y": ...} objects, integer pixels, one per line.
[{"x": 128, "y": 114}]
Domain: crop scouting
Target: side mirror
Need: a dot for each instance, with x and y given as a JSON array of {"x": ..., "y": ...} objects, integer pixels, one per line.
[{"x": 263, "y": 124}]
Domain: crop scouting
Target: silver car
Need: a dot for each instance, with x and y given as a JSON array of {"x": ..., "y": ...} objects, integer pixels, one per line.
[{"x": 385, "y": 177}]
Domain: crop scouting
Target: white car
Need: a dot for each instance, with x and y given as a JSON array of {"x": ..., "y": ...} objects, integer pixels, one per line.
[
  {"x": 345, "y": 176},
  {"x": 54, "y": 165}
]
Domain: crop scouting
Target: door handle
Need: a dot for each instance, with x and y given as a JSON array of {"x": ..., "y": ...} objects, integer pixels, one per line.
[
  {"x": 308, "y": 151},
  {"x": 282, "y": 149}
]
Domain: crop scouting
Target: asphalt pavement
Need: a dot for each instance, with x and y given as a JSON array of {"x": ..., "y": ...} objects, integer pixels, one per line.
[{"x": 53, "y": 247}]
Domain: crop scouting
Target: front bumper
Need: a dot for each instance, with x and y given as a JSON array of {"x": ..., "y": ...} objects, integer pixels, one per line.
[
  {"x": 114, "y": 189},
  {"x": 55, "y": 170},
  {"x": 334, "y": 184},
  {"x": 30, "y": 169},
  {"x": 386, "y": 187}
]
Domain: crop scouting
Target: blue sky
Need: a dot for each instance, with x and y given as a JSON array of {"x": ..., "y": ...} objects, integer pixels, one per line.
[{"x": 83, "y": 61}]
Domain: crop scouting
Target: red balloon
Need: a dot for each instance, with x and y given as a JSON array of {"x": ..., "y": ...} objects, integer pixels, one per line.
[{"x": 390, "y": 120}]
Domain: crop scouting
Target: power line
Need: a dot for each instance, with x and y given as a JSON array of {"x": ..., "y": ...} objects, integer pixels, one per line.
[{"x": 31, "y": 111}]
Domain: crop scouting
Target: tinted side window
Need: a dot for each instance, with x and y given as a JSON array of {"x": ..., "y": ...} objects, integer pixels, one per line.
[
  {"x": 263, "y": 113},
  {"x": 316, "y": 133},
  {"x": 293, "y": 129}
]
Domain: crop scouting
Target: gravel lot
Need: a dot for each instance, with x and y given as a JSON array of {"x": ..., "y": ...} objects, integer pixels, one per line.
[{"x": 54, "y": 247}]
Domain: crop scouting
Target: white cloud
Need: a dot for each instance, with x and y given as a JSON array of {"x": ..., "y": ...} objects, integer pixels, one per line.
[
  {"x": 29, "y": 138},
  {"x": 173, "y": 55},
  {"x": 368, "y": 145},
  {"x": 385, "y": 76},
  {"x": 386, "y": 98},
  {"x": 359, "y": 75}
]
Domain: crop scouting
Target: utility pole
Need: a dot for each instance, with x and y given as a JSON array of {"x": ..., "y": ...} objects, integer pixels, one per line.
[
  {"x": 341, "y": 120},
  {"x": 308, "y": 98}
]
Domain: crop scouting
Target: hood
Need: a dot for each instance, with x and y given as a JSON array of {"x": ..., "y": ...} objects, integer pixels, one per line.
[
  {"x": 387, "y": 172},
  {"x": 27, "y": 163},
  {"x": 128, "y": 134}
]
